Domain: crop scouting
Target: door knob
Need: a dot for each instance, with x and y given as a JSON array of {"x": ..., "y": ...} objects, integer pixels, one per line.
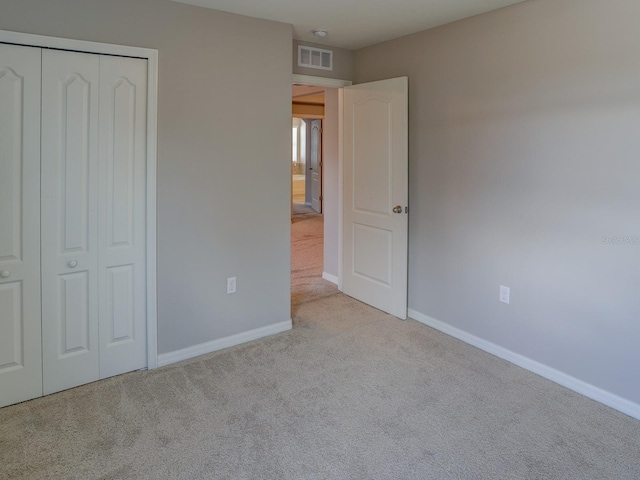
[
  {"x": 73, "y": 264},
  {"x": 397, "y": 209},
  {"x": 5, "y": 274}
]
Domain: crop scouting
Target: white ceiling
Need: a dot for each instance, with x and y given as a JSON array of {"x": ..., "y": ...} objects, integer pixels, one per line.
[{"x": 355, "y": 24}]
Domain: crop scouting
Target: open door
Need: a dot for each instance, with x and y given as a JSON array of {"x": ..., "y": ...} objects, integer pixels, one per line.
[
  {"x": 315, "y": 165},
  {"x": 375, "y": 194}
]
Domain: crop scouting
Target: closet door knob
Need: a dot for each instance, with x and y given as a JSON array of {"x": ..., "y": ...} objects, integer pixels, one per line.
[
  {"x": 73, "y": 264},
  {"x": 5, "y": 274}
]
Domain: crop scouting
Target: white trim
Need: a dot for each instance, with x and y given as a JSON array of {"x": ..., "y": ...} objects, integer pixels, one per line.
[
  {"x": 226, "y": 342},
  {"x": 599, "y": 395},
  {"x": 330, "y": 278},
  {"x": 319, "y": 81},
  {"x": 151, "y": 56},
  {"x": 340, "y": 184},
  {"x": 152, "y": 162},
  {"x": 28, "y": 39}
]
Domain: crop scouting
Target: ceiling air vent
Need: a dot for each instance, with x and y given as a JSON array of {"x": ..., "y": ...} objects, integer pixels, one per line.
[{"x": 312, "y": 57}]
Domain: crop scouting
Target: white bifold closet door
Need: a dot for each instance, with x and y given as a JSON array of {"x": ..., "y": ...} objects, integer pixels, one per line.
[
  {"x": 93, "y": 217},
  {"x": 122, "y": 217},
  {"x": 20, "y": 347}
]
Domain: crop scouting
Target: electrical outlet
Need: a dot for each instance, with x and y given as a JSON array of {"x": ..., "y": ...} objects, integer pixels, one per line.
[
  {"x": 504, "y": 294},
  {"x": 231, "y": 285}
]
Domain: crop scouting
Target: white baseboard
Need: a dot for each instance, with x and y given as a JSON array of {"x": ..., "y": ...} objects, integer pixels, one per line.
[
  {"x": 330, "y": 278},
  {"x": 219, "y": 344},
  {"x": 599, "y": 395}
]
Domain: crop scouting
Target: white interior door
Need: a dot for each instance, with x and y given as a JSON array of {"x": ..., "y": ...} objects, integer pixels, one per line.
[
  {"x": 315, "y": 165},
  {"x": 122, "y": 215},
  {"x": 375, "y": 194},
  {"x": 69, "y": 219},
  {"x": 20, "y": 331}
]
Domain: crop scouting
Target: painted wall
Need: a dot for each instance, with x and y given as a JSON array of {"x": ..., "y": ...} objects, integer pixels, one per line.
[
  {"x": 301, "y": 150},
  {"x": 342, "y": 62},
  {"x": 524, "y": 171},
  {"x": 330, "y": 186},
  {"x": 223, "y": 154}
]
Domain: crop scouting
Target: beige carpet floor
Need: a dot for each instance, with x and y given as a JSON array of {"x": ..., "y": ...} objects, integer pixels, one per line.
[{"x": 349, "y": 393}]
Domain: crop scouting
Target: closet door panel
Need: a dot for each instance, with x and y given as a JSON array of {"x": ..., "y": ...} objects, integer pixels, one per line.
[
  {"x": 122, "y": 213},
  {"x": 69, "y": 219},
  {"x": 20, "y": 327}
]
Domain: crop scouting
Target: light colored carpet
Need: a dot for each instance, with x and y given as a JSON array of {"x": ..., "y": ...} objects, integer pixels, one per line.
[{"x": 349, "y": 393}]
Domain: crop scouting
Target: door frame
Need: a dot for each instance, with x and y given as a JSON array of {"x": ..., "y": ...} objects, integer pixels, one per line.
[
  {"x": 151, "y": 55},
  {"x": 339, "y": 84}
]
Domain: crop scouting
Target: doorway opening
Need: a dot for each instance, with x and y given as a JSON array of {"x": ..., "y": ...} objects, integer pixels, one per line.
[
  {"x": 314, "y": 191},
  {"x": 307, "y": 220},
  {"x": 315, "y": 241}
]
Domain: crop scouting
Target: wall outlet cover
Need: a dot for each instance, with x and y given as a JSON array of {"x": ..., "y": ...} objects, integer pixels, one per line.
[
  {"x": 504, "y": 294},
  {"x": 231, "y": 285}
]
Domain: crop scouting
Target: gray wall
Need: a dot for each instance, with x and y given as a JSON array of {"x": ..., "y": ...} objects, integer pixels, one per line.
[
  {"x": 330, "y": 174},
  {"x": 524, "y": 148},
  {"x": 223, "y": 154},
  {"x": 342, "y": 62}
]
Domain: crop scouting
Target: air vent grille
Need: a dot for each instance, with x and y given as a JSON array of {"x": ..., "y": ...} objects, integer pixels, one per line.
[{"x": 312, "y": 57}]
